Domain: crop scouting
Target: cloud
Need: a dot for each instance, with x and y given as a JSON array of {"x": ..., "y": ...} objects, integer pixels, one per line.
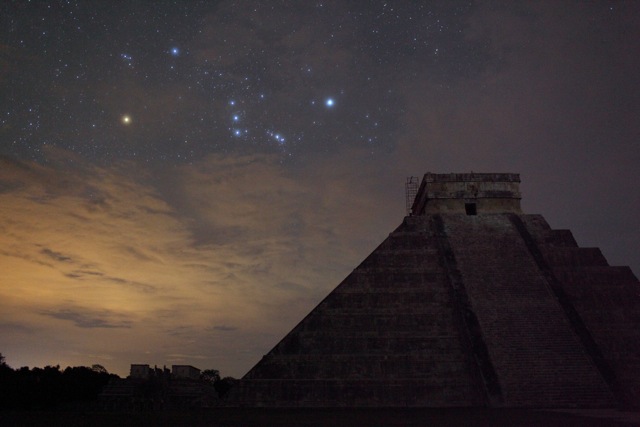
[
  {"x": 57, "y": 256},
  {"x": 85, "y": 318},
  {"x": 224, "y": 328},
  {"x": 180, "y": 357},
  {"x": 190, "y": 259},
  {"x": 14, "y": 327}
]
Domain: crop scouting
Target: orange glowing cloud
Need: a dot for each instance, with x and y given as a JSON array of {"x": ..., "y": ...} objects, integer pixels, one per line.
[{"x": 206, "y": 264}]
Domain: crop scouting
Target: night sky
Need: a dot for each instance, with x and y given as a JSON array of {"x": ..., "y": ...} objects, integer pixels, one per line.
[{"x": 181, "y": 182}]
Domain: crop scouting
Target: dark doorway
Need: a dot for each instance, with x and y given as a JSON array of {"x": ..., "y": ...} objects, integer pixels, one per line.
[{"x": 470, "y": 208}]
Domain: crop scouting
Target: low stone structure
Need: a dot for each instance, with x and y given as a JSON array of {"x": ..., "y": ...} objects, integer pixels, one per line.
[
  {"x": 156, "y": 388},
  {"x": 468, "y": 303},
  {"x": 185, "y": 372}
]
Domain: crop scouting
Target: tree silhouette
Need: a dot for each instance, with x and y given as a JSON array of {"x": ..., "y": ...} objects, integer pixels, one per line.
[
  {"x": 210, "y": 375},
  {"x": 49, "y": 387},
  {"x": 99, "y": 369}
]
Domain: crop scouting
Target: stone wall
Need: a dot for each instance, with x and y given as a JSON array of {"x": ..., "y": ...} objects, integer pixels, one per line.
[{"x": 453, "y": 193}]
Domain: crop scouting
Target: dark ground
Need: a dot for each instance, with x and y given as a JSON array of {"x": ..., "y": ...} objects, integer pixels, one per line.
[{"x": 237, "y": 417}]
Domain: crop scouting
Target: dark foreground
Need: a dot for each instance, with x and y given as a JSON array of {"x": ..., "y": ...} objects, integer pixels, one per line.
[{"x": 248, "y": 417}]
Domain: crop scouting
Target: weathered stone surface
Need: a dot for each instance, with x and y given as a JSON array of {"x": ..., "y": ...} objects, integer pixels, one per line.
[
  {"x": 459, "y": 307},
  {"x": 454, "y": 192},
  {"x": 606, "y": 299}
]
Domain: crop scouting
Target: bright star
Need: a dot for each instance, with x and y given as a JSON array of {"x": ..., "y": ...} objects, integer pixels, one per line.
[
  {"x": 329, "y": 102},
  {"x": 127, "y": 58},
  {"x": 276, "y": 136},
  {"x": 175, "y": 51}
]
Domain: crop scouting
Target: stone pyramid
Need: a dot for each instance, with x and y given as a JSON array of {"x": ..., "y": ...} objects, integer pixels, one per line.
[{"x": 468, "y": 303}]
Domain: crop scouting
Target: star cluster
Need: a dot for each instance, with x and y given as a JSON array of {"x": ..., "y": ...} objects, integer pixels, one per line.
[{"x": 196, "y": 78}]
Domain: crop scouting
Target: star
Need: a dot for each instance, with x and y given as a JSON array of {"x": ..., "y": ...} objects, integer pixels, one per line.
[
  {"x": 329, "y": 102},
  {"x": 128, "y": 59},
  {"x": 175, "y": 51}
]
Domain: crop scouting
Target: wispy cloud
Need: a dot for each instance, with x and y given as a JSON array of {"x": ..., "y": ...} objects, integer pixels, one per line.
[
  {"x": 196, "y": 260},
  {"x": 57, "y": 256},
  {"x": 224, "y": 328},
  {"x": 86, "y": 318}
]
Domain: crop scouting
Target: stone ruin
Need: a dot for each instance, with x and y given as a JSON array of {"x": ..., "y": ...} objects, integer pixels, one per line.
[{"x": 468, "y": 303}]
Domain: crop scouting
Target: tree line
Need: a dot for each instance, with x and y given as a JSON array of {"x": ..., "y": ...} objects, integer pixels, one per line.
[{"x": 51, "y": 387}]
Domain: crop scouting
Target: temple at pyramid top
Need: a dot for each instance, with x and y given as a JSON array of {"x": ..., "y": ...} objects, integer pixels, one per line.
[{"x": 470, "y": 193}]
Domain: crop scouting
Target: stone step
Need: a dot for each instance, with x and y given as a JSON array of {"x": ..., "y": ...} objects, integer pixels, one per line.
[
  {"x": 359, "y": 393},
  {"x": 347, "y": 343},
  {"x": 375, "y": 301},
  {"x": 600, "y": 276},
  {"x": 574, "y": 257},
  {"x": 529, "y": 338}
]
